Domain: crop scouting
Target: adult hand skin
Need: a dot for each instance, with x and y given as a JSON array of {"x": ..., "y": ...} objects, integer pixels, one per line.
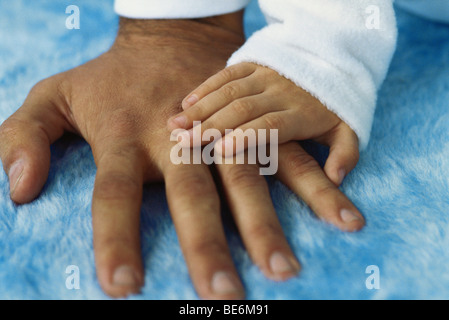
[{"x": 120, "y": 103}]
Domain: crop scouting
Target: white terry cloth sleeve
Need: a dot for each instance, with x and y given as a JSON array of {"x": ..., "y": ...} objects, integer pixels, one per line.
[
  {"x": 337, "y": 50},
  {"x": 176, "y": 9}
]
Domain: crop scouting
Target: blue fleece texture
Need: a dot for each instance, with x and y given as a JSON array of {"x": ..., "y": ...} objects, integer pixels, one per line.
[{"x": 400, "y": 184}]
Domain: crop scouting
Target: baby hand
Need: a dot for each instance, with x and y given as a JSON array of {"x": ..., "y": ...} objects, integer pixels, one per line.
[{"x": 249, "y": 96}]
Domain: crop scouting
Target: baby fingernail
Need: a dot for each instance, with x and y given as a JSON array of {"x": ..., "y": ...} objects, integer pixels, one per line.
[
  {"x": 282, "y": 266},
  {"x": 224, "y": 283},
  {"x": 190, "y": 101},
  {"x": 125, "y": 276},
  {"x": 349, "y": 216},
  {"x": 15, "y": 175},
  {"x": 180, "y": 121}
]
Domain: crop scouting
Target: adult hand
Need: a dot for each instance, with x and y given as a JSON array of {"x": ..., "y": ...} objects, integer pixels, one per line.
[{"x": 120, "y": 103}]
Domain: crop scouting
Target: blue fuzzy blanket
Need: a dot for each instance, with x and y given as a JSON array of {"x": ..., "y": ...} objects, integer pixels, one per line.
[{"x": 400, "y": 185}]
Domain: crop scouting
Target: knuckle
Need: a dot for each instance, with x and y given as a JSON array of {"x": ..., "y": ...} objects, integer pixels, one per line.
[
  {"x": 263, "y": 230},
  {"x": 227, "y": 74},
  {"x": 208, "y": 248},
  {"x": 230, "y": 91},
  {"x": 17, "y": 135},
  {"x": 278, "y": 88},
  {"x": 191, "y": 185},
  {"x": 116, "y": 186},
  {"x": 8, "y": 134},
  {"x": 9, "y": 128},
  {"x": 273, "y": 122},
  {"x": 323, "y": 192},
  {"x": 53, "y": 90},
  {"x": 242, "y": 108},
  {"x": 300, "y": 164},
  {"x": 13, "y": 129},
  {"x": 106, "y": 153},
  {"x": 123, "y": 122},
  {"x": 243, "y": 176},
  {"x": 197, "y": 186},
  {"x": 42, "y": 86}
]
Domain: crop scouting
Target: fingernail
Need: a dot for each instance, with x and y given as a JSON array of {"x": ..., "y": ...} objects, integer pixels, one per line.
[
  {"x": 349, "y": 216},
  {"x": 341, "y": 176},
  {"x": 190, "y": 101},
  {"x": 223, "y": 283},
  {"x": 180, "y": 121},
  {"x": 280, "y": 265},
  {"x": 15, "y": 174},
  {"x": 125, "y": 276}
]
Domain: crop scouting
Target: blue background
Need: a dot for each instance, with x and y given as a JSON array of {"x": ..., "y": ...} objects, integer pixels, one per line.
[{"x": 400, "y": 185}]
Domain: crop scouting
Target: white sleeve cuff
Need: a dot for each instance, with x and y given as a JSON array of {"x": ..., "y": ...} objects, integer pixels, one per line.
[
  {"x": 176, "y": 9},
  {"x": 324, "y": 47},
  {"x": 339, "y": 91}
]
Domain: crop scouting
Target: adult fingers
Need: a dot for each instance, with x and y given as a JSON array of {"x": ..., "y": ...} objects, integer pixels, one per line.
[
  {"x": 250, "y": 203},
  {"x": 303, "y": 175},
  {"x": 116, "y": 207},
  {"x": 215, "y": 82},
  {"x": 26, "y": 137},
  {"x": 194, "y": 205}
]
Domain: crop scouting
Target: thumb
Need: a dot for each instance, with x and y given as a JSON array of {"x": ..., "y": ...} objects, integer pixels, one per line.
[
  {"x": 343, "y": 153},
  {"x": 26, "y": 137}
]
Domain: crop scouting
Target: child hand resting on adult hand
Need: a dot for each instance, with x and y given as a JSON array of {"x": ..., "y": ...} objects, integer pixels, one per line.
[{"x": 250, "y": 96}]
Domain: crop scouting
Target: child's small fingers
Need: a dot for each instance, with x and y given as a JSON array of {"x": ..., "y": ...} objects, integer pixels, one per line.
[
  {"x": 343, "y": 153},
  {"x": 228, "y": 118},
  {"x": 231, "y": 93},
  {"x": 215, "y": 82},
  {"x": 241, "y": 111},
  {"x": 273, "y": 127}
]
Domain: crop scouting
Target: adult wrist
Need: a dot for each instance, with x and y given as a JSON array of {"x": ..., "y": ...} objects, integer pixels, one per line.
[{"x": 225, "y": 28}]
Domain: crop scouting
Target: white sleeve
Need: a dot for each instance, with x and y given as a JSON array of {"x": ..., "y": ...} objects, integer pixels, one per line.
[
  {"x": 176, "y": 9},
  {"x": 337, "y": 50}
]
